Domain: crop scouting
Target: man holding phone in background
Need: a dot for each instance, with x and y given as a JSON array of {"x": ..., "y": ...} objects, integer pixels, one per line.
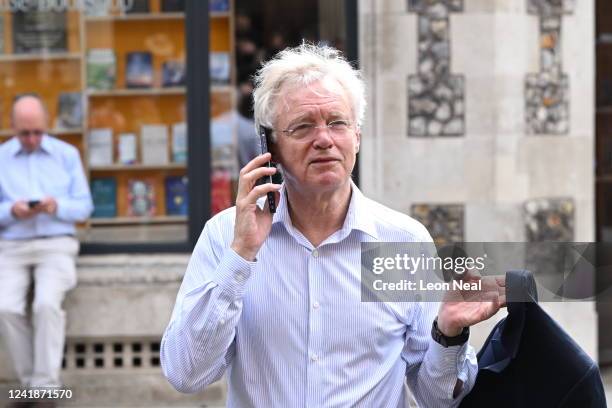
[{"x": 43, "y": 193}]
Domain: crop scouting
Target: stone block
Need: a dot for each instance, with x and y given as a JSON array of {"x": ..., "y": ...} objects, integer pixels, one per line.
[
  {"x": 497, "y": 6},
  {"x": 552, "y": 170},
  {"x": 472, "y": 51},
  {"x": 480, "y": 112},
  {"x": 509, "y": 107},
  {"x": 493, "y": 222},
  {"x": 442, "y": 170},
  {"x": 579, "y": 63},
  {"x": 393, "y": 104},
  {"x": 515, "y": 46},
  {"x": 396, "y": 44}
]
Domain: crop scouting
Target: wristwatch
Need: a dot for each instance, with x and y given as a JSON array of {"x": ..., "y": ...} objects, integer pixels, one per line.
[{"x": 446, "y": 341}]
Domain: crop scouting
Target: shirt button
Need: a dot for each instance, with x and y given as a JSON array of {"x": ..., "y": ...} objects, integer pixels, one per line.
[
  {"x": 315, "y": 253},
  {"x": 222, "y": 321},
  {"x": 316, "y": 305},
  {"x": 314, "y": 358}
]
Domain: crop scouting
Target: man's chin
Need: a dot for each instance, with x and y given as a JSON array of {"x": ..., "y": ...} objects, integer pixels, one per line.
[{"x": 328, "y": 182}]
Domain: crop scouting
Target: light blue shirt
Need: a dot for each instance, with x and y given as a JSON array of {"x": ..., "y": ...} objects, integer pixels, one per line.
[
  {"x": 54, "y": 170},
  {"x": 290, "y": 329}
]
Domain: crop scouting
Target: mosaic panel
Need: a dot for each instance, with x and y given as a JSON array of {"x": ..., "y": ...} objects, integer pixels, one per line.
[
  {"x": 547, "y": 92},
  {"x": 435, "y": 96},
  {"x": 549, "y": 219},
  {"x": 445, "y": 222}
]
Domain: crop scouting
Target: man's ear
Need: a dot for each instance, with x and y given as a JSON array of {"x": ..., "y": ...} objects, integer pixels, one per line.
[{"x": 358, "y": 135}]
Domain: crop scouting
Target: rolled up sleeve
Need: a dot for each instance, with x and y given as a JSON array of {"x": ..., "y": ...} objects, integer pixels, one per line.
[
  {"x": 433, "y": 370},
  {"x": 198, "y": 344}
]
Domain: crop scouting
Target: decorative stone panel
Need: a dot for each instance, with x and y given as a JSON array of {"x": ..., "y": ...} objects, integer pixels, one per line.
[
  {"x": 547, "y": 92},
  {"x": 435, "y": 96},
  {"x": 445, "y": 222},
  {"x": 549, "y": 219}
]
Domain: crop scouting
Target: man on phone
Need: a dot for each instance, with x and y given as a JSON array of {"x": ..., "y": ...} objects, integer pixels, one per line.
[
  {"x": 43, "y": 193},
  {"x": 274, "y": 300}
]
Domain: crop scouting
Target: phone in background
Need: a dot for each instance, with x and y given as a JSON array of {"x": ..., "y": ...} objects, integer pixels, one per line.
[
  {"x": 264, "y": 139},
  {"x": 33, "y": 203}
]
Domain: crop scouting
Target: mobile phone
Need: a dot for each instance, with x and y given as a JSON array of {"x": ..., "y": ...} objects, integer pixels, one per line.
[
  {"x": 33, "y": 203},
  {"x": 264, "y": 134}
]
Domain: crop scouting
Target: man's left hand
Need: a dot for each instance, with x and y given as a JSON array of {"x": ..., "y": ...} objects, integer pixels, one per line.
[
  {"x": 47, "y": 205},
  {"x": 464, "y": 308}
]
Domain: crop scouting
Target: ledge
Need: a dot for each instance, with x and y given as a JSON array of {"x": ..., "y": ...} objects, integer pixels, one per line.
[{"x": 111, "y": 270}]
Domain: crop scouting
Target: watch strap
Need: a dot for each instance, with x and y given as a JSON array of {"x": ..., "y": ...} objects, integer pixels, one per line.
[{"x": 446, "y": 341}]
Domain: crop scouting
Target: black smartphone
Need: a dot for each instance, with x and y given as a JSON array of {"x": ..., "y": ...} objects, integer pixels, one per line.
[
  {"x": 33, "y": 203},
  {"x": 264, "y": 138}
]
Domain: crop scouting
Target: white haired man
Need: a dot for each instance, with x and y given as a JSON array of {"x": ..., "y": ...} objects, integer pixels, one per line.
[{"x": 274, "y": 299}]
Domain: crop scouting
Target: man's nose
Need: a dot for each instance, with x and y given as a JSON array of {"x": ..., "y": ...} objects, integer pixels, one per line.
[{"x": 322, "y": 137}]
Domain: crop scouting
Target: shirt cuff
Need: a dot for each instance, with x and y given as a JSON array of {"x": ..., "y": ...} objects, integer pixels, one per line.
[
  {"x": 60, "y": 209},
  {"x": 233, "y": 273},
  {"x": 450, "y": 360},
  {"x": 6, "y": 215}
]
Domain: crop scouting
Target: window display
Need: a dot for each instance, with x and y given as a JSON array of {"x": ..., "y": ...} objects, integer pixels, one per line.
[{"x": 114, "y": 83}]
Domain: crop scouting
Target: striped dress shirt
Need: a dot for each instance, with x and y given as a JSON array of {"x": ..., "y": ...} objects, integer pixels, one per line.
[{"x": 290, "y": 329}]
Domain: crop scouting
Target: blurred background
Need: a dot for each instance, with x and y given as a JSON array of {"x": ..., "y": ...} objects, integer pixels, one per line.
[{"x": 487, "y": 120}]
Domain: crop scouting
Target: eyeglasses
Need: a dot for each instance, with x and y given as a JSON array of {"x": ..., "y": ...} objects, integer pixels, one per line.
[
  {"x": 27, "y": 132},
  {"x": 305, "y": 132}
]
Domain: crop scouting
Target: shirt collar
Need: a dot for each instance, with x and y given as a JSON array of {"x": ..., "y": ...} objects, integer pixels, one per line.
[
  {"x": 358, "y": 217},
  {"x": 45, "y": 145},
  {"x": 15, "y": 146}
]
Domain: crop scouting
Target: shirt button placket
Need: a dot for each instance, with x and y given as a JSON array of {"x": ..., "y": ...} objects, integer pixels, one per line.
[{"x": 315, "y": 327}]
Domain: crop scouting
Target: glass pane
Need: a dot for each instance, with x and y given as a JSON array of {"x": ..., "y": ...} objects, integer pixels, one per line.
[
  {"x": 136, "y": 123},
  {"x": 113, "y": 80},
  {"x": 261, "y": 29}
]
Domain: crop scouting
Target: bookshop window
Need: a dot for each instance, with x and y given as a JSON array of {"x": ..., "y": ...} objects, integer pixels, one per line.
[{"x": 112, "y": 75}]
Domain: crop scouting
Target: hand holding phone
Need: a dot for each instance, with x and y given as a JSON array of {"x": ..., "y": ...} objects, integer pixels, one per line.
[
  {"x": 22, "y": 210},
  {"x": 33, "y": 203},
  {"x": 252, "y": 224}
]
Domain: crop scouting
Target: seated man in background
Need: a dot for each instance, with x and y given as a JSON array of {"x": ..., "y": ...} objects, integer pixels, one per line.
[{"x": 43, "y": 193}]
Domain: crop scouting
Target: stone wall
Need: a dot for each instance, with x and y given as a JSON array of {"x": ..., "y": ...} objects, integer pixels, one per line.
[
  {"x": 115, "y": 319},
  {"x": 481, "y": 122}
]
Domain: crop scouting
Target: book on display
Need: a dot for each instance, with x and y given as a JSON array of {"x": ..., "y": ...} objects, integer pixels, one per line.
[
  {"x": 139, "y": 70},
  {"x": 69, "y": 111},
  {"x": 154, "y": 144},
  {"x": 104, "y": 195},
  {"x": 101, "y": 69},
  {"x": 100, "y": 147}
]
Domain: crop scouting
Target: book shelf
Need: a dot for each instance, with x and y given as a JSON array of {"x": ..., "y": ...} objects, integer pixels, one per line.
[
  {"x": 121, "y": 108},
  {"x": 139, "y": 92}
]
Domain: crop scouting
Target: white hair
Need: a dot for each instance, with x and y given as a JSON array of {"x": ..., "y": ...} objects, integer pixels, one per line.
[{"x": 302, "y": 66}]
